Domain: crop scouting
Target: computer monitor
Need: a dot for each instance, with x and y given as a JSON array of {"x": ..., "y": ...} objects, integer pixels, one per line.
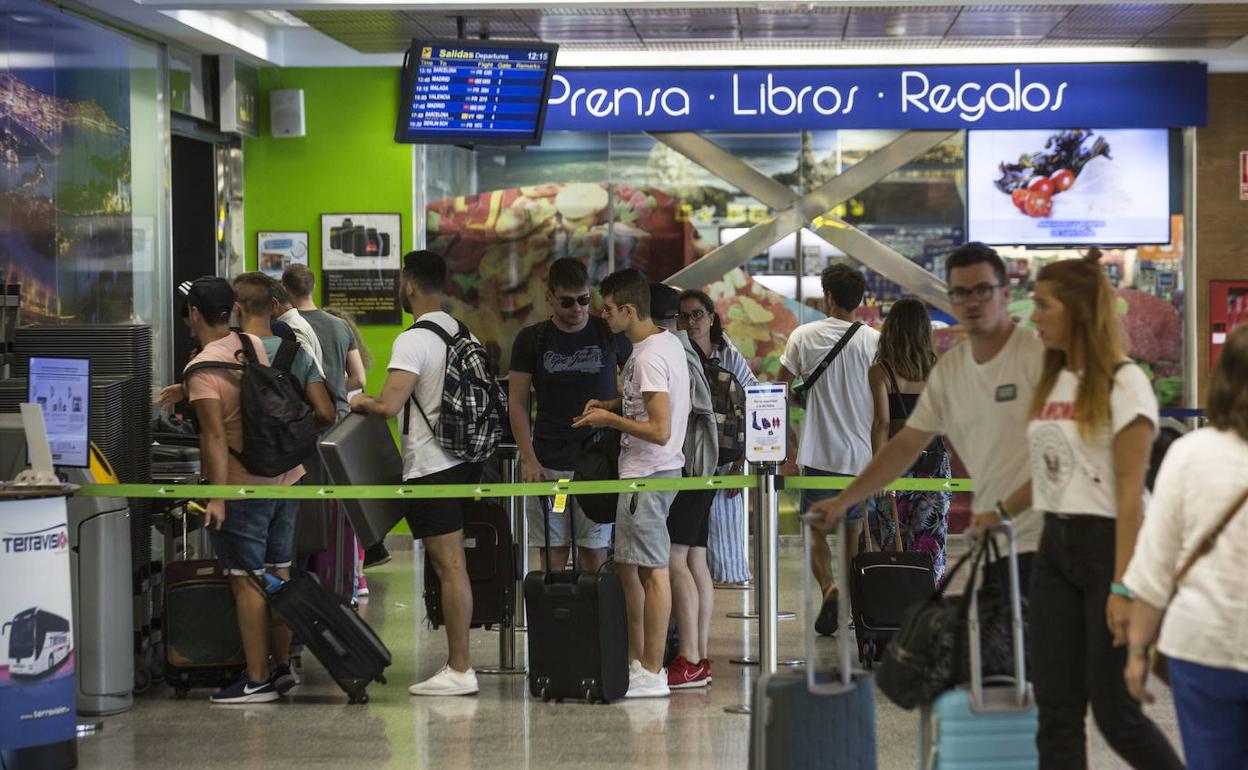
[{"x": 62, "y": 386}]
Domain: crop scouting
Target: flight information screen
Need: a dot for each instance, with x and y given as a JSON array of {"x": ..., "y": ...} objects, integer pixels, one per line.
[{"x": 470, "y": 92}]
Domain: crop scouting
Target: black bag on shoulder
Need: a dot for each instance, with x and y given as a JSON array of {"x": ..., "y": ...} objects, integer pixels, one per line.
[
  {"x": 279, "y": 425},
  {"x": 802, "y": 388},
  {"x": 599, "y": 460}
]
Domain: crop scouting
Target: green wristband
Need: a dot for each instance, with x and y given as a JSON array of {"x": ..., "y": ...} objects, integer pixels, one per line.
[{"x": 1121, "y": 590}]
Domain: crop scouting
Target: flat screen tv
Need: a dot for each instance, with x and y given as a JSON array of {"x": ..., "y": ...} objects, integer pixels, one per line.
[
  {"x": 1069, "y": 187},
  {"x": 471, "y": 92}
]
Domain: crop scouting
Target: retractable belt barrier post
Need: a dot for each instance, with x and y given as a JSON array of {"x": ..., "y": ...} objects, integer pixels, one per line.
[{"x": 507, "y": 663}]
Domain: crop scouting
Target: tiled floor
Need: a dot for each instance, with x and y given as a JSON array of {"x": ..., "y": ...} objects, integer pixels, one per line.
[{"x": 501, "y": 728}]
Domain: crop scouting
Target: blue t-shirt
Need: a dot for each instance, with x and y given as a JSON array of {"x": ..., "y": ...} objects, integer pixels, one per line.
[
  {"x": 571, "y": 369},
  {"x": 303, "y": 367}
]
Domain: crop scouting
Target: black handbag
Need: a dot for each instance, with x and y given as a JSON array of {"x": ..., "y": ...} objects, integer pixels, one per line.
[
  {"x": 599, "y": 460},
  {"x": 929, "y": 653}
]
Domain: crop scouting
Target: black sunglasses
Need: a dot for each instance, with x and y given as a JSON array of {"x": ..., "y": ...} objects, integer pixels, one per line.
[{"x": 567, "y": 302}]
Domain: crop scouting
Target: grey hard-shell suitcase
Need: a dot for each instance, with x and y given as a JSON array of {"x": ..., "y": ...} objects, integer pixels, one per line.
[
  {"x": 360, "y": 449},
  {"x": 812, "y": 718}
]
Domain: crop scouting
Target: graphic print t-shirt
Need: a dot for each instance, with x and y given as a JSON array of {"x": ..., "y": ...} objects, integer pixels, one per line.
[
  {"x": 571, "y": 369},
  {"x": 1076, "y": 476}
]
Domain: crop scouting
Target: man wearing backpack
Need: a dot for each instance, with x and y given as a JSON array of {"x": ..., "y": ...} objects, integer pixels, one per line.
[
  {"x": 654, "y": 405},
  {"x": 261, "y": 531},
  {"x": 689, "y": 520},
  {"x": 418, "y": 372},
  {"x": 567, "y": 360}
]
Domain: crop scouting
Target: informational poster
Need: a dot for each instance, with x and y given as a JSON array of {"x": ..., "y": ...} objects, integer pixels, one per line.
[
  {"x": 62, "y": 387},
  {"x": 1070, "y": 187},
  {"x": 277, "y": 251},
  {"x": 360, "y": 261},
  {"x": 766, "y": 422},
  {"x": 37, "y": 692}
]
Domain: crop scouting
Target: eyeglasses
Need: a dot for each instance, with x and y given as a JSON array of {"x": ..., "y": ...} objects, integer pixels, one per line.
[
  {"x": 979, "y": 293},
  {"x": 694, "y": 315},
  {"x": 567, "y": 302}
]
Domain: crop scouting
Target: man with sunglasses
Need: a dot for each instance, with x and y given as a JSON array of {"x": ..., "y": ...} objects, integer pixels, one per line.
[
  {"x": 568, "y": 360},
  {"x": 978, "y": 396}
]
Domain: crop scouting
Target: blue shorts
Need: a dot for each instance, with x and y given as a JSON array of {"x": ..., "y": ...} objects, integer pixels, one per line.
[
  {"x": 261, "y": 531},
  {"x": 812, "y": 496}
]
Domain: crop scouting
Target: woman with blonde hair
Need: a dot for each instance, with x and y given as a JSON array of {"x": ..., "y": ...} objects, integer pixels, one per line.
[
  {"x": 1190, "y": 564},
  {"x": 1093, "y": 420},
  {"x": 902, "y": 363}
]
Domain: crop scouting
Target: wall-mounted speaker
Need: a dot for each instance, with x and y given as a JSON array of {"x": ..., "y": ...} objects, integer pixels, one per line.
[{"x": 286, "y": 112}]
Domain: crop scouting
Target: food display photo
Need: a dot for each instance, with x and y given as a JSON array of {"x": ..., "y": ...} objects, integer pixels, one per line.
[{"x": 1069, "y": 186}]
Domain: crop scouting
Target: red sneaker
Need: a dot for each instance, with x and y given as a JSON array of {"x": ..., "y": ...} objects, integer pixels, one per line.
[
  {"x": 683, "y": 675},
  {"x": 705, "y": 665}
]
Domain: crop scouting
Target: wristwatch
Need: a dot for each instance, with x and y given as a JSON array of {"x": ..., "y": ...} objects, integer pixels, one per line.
[
  {"x": 1138, "y": 651},
  {"x": 1003, "y": 512}
]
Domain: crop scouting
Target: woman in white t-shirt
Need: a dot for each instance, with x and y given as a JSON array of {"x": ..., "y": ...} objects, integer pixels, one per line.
[{"x": 1093, "y": 419}]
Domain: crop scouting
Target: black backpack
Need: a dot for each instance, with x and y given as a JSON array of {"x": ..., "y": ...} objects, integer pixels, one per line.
[
  {"x": 728, "y": 402},
  {"x": 279, "y": 425},
  {"x": 599, "y": 460}
]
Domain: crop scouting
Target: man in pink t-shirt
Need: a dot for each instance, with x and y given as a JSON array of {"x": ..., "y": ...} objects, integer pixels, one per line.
[{"x": 260, "y": 531}]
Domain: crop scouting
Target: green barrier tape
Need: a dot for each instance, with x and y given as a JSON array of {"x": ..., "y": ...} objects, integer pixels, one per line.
[{"x": 443, "y": 491}]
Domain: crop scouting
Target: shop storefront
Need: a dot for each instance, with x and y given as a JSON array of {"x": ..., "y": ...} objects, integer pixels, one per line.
[{"x": 889, "y": 167}]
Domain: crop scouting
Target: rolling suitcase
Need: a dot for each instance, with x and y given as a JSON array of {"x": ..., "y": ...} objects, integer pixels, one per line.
[
  {"x": 984, "y": 724},
  {"x": 348, "y": 648},
  {"x": 881, "y": 586},
  {"x": 360, "y": 449},
  {"x": 815, "y": 719},
  {"x": 491, "y": 564},
  {"x": 199, "y": 624},
  {"x": 578, "y": 631}
]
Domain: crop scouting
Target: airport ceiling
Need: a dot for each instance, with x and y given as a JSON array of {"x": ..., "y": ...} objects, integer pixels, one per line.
[{"x": 798, "y": 25}]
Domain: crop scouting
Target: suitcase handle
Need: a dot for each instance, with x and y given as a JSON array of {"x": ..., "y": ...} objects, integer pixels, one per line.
[
  {"x": 1021, "y": 694},
  {"x": 845, "y": 654},
  {"x": 331, "y": 640}
]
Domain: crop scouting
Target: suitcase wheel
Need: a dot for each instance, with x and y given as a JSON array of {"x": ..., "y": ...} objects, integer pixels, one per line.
[{"x": 360, "y": 699}]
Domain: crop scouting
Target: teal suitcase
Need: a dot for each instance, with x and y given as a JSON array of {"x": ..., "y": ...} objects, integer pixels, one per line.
[{"x": 984, "y": 725}]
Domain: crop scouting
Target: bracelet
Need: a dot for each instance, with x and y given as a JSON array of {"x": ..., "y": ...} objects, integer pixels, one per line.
[
  {"x": 1138, "y": 651},
  {"x": 1121, "y": 590},
  {"x": 1003, "y": 512}
]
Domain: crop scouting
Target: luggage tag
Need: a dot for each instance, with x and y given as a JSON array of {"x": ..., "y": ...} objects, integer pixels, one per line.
[{"x": 561, "y": 499}]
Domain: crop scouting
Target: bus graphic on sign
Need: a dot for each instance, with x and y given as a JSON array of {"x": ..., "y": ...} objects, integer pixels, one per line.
[{"x": 39, "y": 641}]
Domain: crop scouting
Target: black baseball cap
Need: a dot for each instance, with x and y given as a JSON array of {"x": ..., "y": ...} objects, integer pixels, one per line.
[
  {"x": 664, "y": 302},
  {"x": 213, "y": 297}
]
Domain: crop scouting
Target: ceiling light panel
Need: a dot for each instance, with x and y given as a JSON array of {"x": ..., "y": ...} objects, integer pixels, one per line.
[
  {"x": 1007, "y": 21},
  {"x": 779, "y": 26},
  {"x": 1200, "y": 21},
  {"x": 900, "y": 22}
]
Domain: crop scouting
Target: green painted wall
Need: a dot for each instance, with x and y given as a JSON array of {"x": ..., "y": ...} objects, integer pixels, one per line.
[{"x": 347, "y": 162}]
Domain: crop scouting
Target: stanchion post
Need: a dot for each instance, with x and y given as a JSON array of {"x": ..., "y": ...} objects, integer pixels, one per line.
[
  {"x": 768, "y": 591},
  {"x": 507, "y": 663}
]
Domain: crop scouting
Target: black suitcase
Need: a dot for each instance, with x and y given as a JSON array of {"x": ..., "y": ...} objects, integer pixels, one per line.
[
  {"x": 578, "y": 631},
  {"x": 491, "y": 562},
  {"x": 815, "y": 719},
  {"x": 881, "y": 586},
  {"x": 199, "y": 623},
  {"x": 345, "y": 645}
]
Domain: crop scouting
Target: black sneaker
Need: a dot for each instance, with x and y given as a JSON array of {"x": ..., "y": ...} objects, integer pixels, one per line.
[
  {"x": 284, "y": 679},
  {"x": 246, "y": 691},
  {"x": 827, "y": 621},
  {"x": 376, "y": 555}
]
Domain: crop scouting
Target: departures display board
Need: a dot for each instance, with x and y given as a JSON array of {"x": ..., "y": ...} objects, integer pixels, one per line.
[{"x": 472, "y": 92}]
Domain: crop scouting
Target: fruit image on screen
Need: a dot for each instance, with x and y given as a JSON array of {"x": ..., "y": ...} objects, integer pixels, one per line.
[{"x": 1069, "y": 187}]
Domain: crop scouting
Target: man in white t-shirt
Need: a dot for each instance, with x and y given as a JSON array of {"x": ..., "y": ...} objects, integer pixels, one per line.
[
  {"x": 284, "y": 311},
  {"x": 655, "y": 411},
  {"x": 836, "y": 433},
  {"x": 417, "y": 370},
  {"x": 978, "y": 396}
]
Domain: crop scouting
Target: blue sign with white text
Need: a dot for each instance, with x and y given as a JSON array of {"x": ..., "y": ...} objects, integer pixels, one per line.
[{"x": 1158, "y": 95}]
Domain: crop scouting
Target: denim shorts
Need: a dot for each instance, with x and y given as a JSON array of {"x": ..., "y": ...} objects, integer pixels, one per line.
[
  {"x": 589, "y": 534},
  {"x": 812, "y": 496},
  {"x": 261, "y": 531}
]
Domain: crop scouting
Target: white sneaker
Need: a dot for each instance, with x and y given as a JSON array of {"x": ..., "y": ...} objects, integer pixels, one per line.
[
  {"x": 447, "y": 681},
  {"x": 647, "y": 685}
]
